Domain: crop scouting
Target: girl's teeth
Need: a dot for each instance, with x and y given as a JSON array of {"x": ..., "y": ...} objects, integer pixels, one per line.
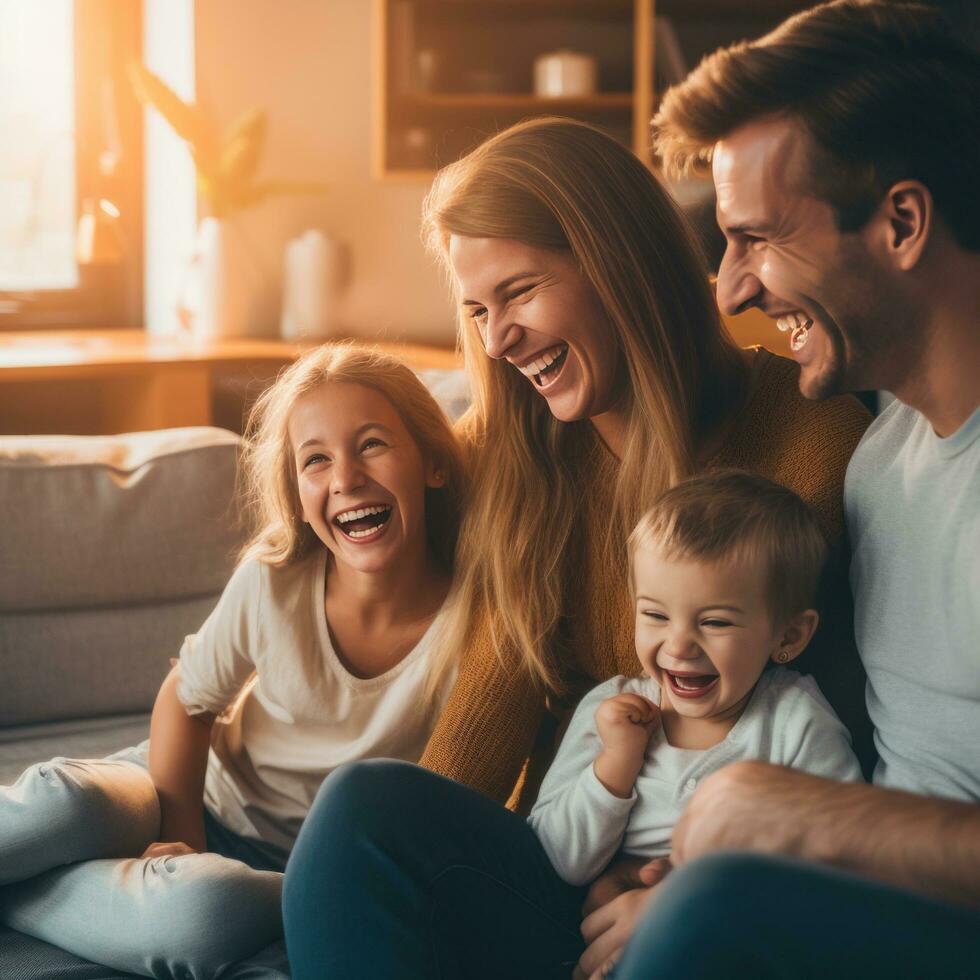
[
  {"x": 355, "y": 515},
  {"x": 365, "y": 533}
]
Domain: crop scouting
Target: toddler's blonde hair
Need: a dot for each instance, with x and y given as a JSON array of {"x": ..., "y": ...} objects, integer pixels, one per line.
[
  {"x": 736, "y": 516},
  {"x": 279, "y": 535}
]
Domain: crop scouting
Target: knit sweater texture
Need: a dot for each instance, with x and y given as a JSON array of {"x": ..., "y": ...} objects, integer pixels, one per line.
[{"x": 492, "y": 720}]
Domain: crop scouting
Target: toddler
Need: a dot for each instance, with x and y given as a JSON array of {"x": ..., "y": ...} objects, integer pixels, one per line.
[
  {"x": 166, "y": 860},
  {"x": 724, "y": 570}
]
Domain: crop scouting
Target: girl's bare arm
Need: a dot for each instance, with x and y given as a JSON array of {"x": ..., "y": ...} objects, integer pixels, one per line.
[{"x": 179, "y": 745}]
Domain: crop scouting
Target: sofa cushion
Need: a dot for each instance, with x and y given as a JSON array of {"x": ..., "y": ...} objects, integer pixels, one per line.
[
  {"x": 138, "y": 518},
  {"x": 84, "y": 663},
  {"x": 117, "y": 548}
]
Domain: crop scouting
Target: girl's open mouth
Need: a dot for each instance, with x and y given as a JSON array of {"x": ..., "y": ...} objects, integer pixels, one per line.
[
  {"x": 364, "y": 524},
  {"x": 691, "y": 685}
]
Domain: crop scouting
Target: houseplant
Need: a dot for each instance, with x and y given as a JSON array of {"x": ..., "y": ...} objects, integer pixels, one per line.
[{"x": 225, "y": 268}]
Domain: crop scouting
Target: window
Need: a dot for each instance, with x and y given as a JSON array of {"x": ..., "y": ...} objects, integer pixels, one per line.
[{"x": 70, "y": 165}]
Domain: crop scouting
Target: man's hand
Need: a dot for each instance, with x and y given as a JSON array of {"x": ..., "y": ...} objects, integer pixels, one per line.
[
  {"x": 625, "y": 724},
  {"x": 168, "y": 849},
  {"x": 748, "y": 806},
  {"x": 608, "y": 929},
  {"x": 923, "y": 844}
]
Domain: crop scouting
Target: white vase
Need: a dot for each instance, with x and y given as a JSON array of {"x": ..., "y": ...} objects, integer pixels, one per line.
[
  {"x": 223, "y": 283},
  {"x": 314, "y": 275}
]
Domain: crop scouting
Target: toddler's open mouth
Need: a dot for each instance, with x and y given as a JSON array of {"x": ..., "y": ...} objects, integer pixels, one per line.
[
  {"x": 691, "y": 685},
  {"x": 362, "y": 523}
]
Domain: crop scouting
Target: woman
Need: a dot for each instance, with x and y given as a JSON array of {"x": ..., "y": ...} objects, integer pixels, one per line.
[{"x": 601, "y": 375}]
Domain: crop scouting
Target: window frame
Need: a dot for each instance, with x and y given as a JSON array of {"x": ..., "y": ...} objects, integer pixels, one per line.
[{"x": 107, "y": 37}]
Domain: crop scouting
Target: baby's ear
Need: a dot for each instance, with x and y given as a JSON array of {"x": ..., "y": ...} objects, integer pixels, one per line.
[{"x": 792, "y": 640}]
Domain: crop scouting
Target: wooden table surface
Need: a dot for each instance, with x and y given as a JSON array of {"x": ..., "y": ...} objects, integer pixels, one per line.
[
  {"x": 102, "y": 381},
  {"x": 31, "y": 355}
]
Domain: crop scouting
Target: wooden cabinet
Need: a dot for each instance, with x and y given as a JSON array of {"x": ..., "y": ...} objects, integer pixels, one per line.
[
  {"x": 449, "y": 73},
  {"x": 453, "y": 72}
]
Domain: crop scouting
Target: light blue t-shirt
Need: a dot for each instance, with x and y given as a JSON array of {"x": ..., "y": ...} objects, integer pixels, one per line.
[{"x": 912, "y": 502}]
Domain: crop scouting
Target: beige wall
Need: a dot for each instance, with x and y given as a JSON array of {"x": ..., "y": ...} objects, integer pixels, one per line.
[{"x": 309, "y": 63}]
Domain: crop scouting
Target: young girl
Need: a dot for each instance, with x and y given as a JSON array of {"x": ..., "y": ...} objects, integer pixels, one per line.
[{"x": 166, "y": 859}]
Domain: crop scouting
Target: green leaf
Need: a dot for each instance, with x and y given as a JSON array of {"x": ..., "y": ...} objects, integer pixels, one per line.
[
  {"x": 238, "y": 199},
  {"x": 242, "y": 150},
  {"x": 187, "y": 119}
]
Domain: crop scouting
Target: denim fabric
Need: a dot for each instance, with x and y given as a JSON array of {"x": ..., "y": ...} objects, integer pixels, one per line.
[
  {"x": 68, "y": 831},
  {"x": 400, "y": 873},
  {"x": 732, "y": 916}
]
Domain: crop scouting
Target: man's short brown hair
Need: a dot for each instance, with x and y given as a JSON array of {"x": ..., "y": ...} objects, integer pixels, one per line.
[
  {"x": 885, "y": 91},
  {"x": 735, "y": 516}
]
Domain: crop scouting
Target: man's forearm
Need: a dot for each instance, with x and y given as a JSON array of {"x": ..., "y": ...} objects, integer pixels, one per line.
[
  {"x": 916, "y": 842},
  {"x": 926, "y": 845}
]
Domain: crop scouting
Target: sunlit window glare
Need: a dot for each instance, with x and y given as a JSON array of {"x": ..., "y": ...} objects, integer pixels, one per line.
[{"x": 37, "y": 146}]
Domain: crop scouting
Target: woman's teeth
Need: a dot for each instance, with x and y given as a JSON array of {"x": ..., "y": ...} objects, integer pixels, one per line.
[
  {"x": 545, "y": 364},
  {"x": 799, "y": 326}
]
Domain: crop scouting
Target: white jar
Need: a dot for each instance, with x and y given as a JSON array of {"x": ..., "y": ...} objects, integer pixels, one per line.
[
  {"x": 313, "y": 277},
  {"x": 564, "y": 74}
]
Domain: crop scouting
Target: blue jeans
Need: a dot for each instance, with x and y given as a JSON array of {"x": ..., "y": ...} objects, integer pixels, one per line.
[
  {"x": 71, "y": 831},
  {"x": 742, "y": 915},
  {"x": 399, "y": 874}
]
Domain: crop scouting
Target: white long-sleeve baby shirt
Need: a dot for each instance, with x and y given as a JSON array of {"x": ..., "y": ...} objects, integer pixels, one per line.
[
  {"x": 582, "y": 825},
  {"x": 290, "y": 711}
]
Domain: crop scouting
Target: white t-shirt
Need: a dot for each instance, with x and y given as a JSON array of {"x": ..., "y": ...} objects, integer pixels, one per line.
[
  {"x": 912, "y": 502},
  {"x": 294, "y": 712},
  {"x": 582, "y": 825}
]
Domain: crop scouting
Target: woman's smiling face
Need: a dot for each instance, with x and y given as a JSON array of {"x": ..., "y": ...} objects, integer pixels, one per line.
[{"x": 535, "y": 309}]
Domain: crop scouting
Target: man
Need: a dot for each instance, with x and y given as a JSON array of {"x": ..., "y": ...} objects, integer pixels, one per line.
[{"x": 845, "y": 151}]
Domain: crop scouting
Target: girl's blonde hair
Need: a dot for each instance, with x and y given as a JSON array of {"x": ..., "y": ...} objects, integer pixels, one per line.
[
  {"x": 279, "y": 534},
  {"x": 564, "y": 185}
]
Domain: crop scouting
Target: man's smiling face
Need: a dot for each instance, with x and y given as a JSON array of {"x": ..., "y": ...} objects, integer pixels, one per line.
[{"x": 786, "y": 255}]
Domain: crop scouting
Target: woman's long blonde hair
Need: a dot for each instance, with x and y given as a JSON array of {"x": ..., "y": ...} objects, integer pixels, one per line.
[
  {"x": 559, "y": 184},
  {"x": 279, "y": 535}
]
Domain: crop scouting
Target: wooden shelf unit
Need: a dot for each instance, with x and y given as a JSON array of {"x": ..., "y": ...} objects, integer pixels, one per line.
[
  {"x": 518, "y": 101},
  {"x": 478, "y": 79},
  {"x": 474, "y": 76}
]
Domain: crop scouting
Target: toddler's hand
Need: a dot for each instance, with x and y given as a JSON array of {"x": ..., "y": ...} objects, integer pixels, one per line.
[
  {"x": 626, "y": 722},
  {"x": 168, "y": 849}
]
